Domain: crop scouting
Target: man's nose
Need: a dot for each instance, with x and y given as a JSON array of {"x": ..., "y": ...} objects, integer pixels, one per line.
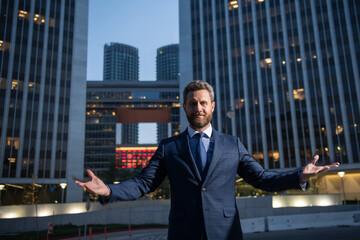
[{"x": 198, "y": 107}]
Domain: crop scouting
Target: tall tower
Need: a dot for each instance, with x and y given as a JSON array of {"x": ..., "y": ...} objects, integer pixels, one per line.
[
  {"x": 167, "y": 68},
  {"x": 167, "y": 62},
  {"x": 285, "y": 74},
  {"x": 43, "y": 49},
  {"x": 121, "y": 62}
]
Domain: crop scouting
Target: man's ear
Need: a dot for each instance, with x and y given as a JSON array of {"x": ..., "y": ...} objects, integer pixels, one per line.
[{"x": 213, "y": 106}]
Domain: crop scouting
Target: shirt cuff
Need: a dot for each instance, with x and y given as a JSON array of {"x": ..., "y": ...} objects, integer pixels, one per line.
[
  {"x": 304, "y": 186},
  {"x": 104, "y": 200},
  {"x": 108, "y": 197}
]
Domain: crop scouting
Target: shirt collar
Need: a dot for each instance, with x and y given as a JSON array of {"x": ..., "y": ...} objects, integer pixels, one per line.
[{"x": 207, "y": 131}]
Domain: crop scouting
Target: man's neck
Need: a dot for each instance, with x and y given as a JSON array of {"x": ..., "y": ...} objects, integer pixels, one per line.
[{"x": 200, "y": 129}]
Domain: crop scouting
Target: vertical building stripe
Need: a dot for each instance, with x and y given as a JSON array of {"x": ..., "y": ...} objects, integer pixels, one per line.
[
  {"x": 57, "y": 90},
  {"x": 260, "y": 87},
  {"x": 42, "y": 91},
  {"x": 245, "y": 80},
  {"x": 290, "y": 85},
  {"x": 25, "y": 90},
  {"x": 339, "y": 83},
  {"x": 230, "y": 69},
  {"x": 275, "y": 88},
  {"x": 322, "y": 82},
  {"x": 305, "y": 78},
  {"x": 8, "y": 86},
  {"x": 202, "y": 42},
  {"x": 354, "y": 60},
  {"x": 216, "y": 62}
]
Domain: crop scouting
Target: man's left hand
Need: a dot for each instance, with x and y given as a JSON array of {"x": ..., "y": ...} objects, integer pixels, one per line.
[{"x": 311, "y": 169}]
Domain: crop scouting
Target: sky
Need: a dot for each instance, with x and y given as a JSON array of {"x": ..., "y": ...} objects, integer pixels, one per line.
[{"x": 144, "y": 24}]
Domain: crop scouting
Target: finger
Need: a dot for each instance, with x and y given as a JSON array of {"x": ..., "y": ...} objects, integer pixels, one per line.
[
  {"x": 336, "y": 164},
  {"x": 90, "y": 173},
  {"x": 315, "y": 159},
  {"x": 81, "y": 184}
]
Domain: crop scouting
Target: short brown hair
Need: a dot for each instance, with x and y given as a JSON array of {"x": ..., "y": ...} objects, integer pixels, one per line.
[{"x": 198, "y": 85}]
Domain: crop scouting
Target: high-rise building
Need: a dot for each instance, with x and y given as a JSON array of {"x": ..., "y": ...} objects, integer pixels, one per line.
[
  {"x": 167, "y": 68},
  {"x": 285, "y": 73},
  {"x": 121, "y": 62},
  {"x": 43, "y": 47},
  {"x": 167, "y": 62},
  {"x": 111, "y": 105}
]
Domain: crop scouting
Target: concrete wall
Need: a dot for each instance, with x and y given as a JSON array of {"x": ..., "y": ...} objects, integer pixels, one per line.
[{"x": 257, "y": 215}]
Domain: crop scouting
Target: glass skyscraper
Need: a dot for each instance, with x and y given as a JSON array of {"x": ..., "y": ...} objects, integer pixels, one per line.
[
  {"x": 121, "y": 62},
  {"x": 43, "y": 47},
  {"x": 167, "y": 62},
  {"x": 285, "y": 73}
]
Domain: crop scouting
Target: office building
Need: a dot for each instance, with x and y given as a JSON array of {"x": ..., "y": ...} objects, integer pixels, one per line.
[
  {"x": 285, "y": 74},
  {"x": 167, "y": 62},
  {"x": 121, "y": 62},
  {"x": 43, "y": 47},
  {"x": 111, "y": 105}
]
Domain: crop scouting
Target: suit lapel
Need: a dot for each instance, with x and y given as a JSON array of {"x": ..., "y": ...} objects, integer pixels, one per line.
[
  {"x": 184, "y": 149},
  {"x": 218, "y": 148}
]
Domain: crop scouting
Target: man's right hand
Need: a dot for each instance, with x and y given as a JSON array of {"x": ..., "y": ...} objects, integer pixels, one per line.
[{"x": 95, "y": 185}]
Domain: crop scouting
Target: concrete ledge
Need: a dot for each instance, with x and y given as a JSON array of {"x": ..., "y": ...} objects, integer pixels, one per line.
[
  {"x": 257, "y": 215},
  {"x": 315, "y": 220}
]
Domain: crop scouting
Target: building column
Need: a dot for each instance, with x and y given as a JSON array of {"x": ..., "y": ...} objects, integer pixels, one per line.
[
  {"x": 244, "y": 80},
  {"x": 230, "y": 70},
  {"x": 25, "y": 90},
  {"x": 185, "y": 53},
  {"x": 42, "y": 91},
  {"x": 340, "y": 87},
  {"x": 8, "y": 86},
  {"x": 306, "y": 79},
  {"x": 354, "y": 61},
  {"x": 290, "y": 85},
  {"x": 322, "y": 81},
  {"x": 260, "y": 87},
  {"x": 275, "y": 88},
  {"x": 216, "y": 62}
]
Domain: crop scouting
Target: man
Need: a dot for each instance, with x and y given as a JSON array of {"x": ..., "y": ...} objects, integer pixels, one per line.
[{"x": 201, "y": 164}]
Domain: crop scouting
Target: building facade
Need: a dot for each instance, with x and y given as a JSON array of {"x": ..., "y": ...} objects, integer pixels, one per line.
[
  {"x": 43, "y": 47},
  {"x": 285, "y": 74},
  {"x": 111, "y": 105},
  {"x": 167, "y": 62},
  {"x": 121, "y": 62}
]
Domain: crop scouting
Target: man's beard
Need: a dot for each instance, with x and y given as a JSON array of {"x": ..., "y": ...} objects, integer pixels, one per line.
[{"x": 199, "y": 123}]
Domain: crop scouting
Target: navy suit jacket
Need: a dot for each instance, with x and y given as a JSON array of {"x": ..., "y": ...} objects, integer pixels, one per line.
[{"x": 199, "y": 205}]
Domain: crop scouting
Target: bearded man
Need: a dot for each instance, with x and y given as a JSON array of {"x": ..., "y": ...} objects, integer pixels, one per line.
[{"x": 202, "y": 164}]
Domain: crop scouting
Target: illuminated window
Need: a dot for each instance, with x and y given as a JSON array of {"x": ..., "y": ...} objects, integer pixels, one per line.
[
  {"x": 299, "y": 94},
  {"x": 14, "y": 142},
  {"x": 4, "y": 45}
]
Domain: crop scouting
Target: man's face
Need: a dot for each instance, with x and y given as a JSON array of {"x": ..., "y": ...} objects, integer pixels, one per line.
[{"x": 199, "y": 109}]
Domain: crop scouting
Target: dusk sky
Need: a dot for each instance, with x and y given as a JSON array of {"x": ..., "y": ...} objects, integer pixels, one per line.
[{"x": 144, "y": 24}]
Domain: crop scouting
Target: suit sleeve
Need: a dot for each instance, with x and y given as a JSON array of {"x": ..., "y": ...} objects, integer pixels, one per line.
[
  {"x": 253, "y": 173},
  {"x": 147, "y": 181}
]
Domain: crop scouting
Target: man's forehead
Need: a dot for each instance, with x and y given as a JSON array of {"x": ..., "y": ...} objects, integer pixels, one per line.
[{"x": 202, "y": 92}]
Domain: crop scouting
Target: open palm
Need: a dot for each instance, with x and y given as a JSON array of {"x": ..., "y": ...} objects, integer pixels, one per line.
[
  {"x": 95, "y": 185},
  {"x": 311, "y": 169}
]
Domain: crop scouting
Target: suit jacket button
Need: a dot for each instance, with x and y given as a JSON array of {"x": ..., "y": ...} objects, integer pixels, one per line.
[{"x": 203, "y": 189}]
